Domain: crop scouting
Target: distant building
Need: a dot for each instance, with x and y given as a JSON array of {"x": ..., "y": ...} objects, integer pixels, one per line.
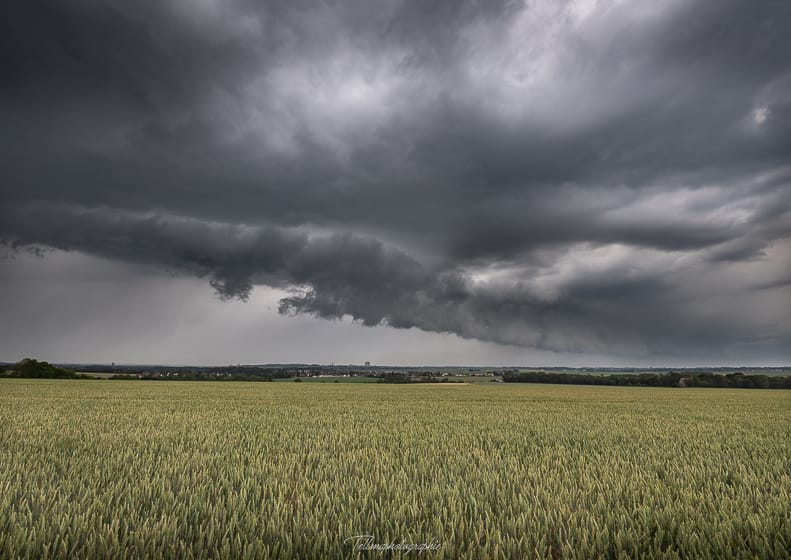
[{"x": 367, "y": 364}]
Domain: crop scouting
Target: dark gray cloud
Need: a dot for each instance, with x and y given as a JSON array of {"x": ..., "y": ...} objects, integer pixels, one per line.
[{"x": 557, "y": 175}]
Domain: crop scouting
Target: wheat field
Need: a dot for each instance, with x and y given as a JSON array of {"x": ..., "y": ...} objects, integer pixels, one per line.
[{"x": 117, "y": 469}]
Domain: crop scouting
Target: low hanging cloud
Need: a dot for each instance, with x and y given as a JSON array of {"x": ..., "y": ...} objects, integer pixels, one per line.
[
  {"x": 588, "y": 299},
  {"x": 579, "y": 176}
]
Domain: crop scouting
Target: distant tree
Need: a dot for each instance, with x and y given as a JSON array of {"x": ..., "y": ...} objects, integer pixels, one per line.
[
  {"x": 31, "y": 368},
  {"x": 395, "y": 378}
]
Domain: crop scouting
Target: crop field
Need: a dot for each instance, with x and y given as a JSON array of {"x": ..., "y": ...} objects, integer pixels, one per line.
[{"x": 135, "y": 469}]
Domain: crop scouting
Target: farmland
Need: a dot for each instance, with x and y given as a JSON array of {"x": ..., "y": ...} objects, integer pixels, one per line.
[{"x": 127, "y": 469}]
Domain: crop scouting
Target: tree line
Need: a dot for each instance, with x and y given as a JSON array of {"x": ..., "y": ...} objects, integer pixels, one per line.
[
  {"x": 34, "y": 369},
  {"x": 670, "y": 379}
]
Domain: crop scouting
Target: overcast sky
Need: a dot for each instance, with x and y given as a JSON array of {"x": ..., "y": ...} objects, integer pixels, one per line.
[{"x": 485, "y": 183}]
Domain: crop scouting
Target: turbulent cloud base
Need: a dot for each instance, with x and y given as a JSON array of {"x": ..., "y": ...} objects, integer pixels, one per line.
[{"x": 575, "y": 176}]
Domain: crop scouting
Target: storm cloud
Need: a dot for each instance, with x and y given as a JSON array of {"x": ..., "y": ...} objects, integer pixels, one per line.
[{"x": 576, "y": 176}]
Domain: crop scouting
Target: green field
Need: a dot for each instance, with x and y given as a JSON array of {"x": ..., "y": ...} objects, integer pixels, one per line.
[{"x": 117, "y": 469}]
